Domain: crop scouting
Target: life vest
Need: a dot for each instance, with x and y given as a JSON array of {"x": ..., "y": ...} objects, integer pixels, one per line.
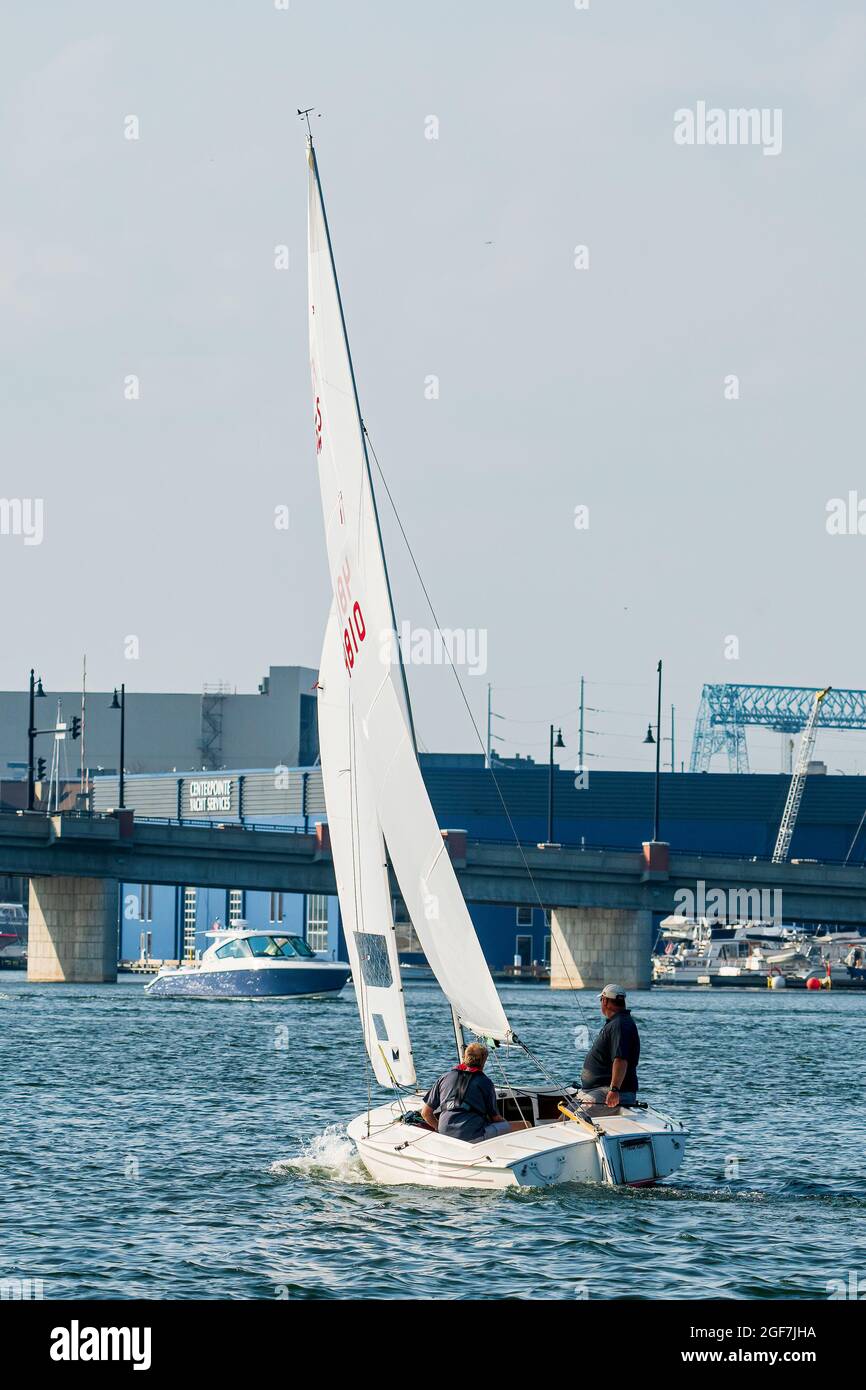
[{"x": 459, "y": 1098}]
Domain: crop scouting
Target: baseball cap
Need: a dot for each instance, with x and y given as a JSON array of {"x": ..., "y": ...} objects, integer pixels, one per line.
[{"x": 613, "y": 992}]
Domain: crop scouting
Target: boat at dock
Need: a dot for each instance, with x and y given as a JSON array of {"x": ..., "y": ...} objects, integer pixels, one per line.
[
  {"x": 380, "y": 816},
  {"x": 833, "y": 960},
  {"x": 251, "y": 963},
  {"x": 13, "y": 936},
  {"x": 706, "y": 953}
]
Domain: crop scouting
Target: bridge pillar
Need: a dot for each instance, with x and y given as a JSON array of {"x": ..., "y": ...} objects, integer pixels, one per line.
[
  {"x": 72, "y": 935},
  {"x": 595, "y": 946}
]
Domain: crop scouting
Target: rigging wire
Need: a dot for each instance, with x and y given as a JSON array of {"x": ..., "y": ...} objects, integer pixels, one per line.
[
  {"x": 509, "y": 1087},
  {"x": 546, "y": 911}
]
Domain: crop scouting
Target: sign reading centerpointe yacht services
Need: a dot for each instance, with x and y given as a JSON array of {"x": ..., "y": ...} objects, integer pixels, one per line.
[{"x": 215, "y": 794}]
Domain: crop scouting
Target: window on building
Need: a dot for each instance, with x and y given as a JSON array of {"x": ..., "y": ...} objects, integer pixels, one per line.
[
  {"x": 276, "y": 910},
  {"x": 308, "y": 734},
  {"x": 317, "y": 921},
  {"x": 524, "y": 916},
  {"x": 189, "y": 916},
  {"x": 236, "y": 905},
  {"x": 145, "y": 910},
  {"x": 547, "y": 950},
  {"x": 523, "y": 951}
]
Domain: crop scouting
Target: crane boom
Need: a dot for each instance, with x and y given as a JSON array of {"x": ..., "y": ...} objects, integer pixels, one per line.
[{"x": 798, "y": 780}]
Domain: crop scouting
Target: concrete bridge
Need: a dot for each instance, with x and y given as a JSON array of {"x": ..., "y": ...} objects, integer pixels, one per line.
[{"x": 602, "y": 901}]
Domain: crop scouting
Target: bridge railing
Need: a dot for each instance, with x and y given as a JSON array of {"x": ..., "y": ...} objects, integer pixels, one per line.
[
  {"x": 271, "y": 827},
  {"x": 196, "y": 822}
]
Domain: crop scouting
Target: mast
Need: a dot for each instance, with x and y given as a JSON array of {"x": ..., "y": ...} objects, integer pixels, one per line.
[
  {"x": 314, "y": 164},
  {"x": 459, "y": 1035}
]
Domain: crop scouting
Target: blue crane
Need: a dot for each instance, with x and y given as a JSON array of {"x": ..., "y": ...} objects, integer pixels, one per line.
[{"x": 726, "y": 710}]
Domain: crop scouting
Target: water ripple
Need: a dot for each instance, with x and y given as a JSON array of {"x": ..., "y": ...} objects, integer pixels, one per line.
[{"x": 197, "y": 1152}]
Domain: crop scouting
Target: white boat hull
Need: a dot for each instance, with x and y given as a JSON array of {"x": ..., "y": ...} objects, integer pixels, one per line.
[{"x": 632, "y": 1147}]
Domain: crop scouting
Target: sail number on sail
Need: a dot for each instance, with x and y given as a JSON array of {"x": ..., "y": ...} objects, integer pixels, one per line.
[
  {"x": 354, "y": 629},
  {"x": 318, "y": 425}
]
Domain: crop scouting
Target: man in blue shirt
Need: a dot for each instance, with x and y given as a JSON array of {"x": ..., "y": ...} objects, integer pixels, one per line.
[
  {"x": 609, "y": 1076},
  {"x": 463, "y": 1103}
]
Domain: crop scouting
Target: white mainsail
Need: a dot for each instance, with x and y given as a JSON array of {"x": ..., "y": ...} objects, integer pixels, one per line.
[
  {"x": 361, "y": 870},
  {"x": 368, "y": 645}
]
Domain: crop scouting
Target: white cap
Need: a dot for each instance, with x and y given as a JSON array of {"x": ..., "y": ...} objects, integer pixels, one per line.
[{"x": 613, "y": 992}]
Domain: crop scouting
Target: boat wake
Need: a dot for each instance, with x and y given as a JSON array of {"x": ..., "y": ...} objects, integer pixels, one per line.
[{"x": 330, "y": 1155}]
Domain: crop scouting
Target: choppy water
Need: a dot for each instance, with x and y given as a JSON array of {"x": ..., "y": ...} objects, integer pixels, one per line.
[{"x": 181, "y": 1149}]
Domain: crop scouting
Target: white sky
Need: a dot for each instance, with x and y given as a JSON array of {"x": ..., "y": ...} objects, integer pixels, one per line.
[{"x": 558, "y": 387}]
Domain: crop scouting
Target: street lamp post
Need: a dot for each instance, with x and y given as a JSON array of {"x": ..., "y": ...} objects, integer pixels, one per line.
[
  {"x": 121, "y": 705},
  {"x": 36, "y": 693},
  {"x": 658, "y": 754},
  {"x": 559, "y": 744},
  {"x": 658, "y": 743}
]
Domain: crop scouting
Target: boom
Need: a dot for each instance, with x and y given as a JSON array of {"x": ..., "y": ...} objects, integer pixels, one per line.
[{"x": 798, "y": 780}]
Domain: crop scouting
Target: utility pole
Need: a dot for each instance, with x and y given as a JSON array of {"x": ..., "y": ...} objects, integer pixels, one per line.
[
  {"x": 83, "y": 783},
  {"x": 580, "y": 738},
  {"x": 491, "y": 715},
  {"x": 673, "y": 743},
  {"x": 488, "y": 722},
  {"x": 54, "y": 774}
]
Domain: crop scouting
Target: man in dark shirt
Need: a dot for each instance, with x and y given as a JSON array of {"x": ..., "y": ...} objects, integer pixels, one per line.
[
  {"x": 609, "y": 1076},
  {"x": 463, "y": 1102}
]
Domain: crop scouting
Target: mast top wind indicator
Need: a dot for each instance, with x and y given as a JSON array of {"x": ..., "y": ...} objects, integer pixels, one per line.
[{"x": 305, "y": 113}]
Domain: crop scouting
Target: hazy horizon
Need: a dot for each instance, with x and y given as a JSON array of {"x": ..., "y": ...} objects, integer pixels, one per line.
[{"x": 603, "y": 385}]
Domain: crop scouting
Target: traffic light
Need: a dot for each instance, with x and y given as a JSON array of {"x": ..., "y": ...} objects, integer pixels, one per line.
[
  {"x": 40, "y": 769},
  {"x": 75, "y": 731}
]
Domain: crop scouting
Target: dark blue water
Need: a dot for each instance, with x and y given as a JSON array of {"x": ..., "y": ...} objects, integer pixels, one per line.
[{"x": 180, "y": 1149}]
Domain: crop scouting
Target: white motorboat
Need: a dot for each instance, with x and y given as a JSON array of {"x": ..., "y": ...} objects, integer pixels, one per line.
[
  {"x": 834, "y": 959},
  {"x": 376, "y": 798},
  {"x": 250, "y": 963},
  {"x": 737, "y": 954}
]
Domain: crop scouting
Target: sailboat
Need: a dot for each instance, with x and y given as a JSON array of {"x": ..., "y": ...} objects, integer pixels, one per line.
[{"x": 378, "y": 810}]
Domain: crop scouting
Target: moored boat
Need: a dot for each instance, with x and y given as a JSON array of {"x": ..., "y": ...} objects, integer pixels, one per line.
[{"x": 745, "y": 954}]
